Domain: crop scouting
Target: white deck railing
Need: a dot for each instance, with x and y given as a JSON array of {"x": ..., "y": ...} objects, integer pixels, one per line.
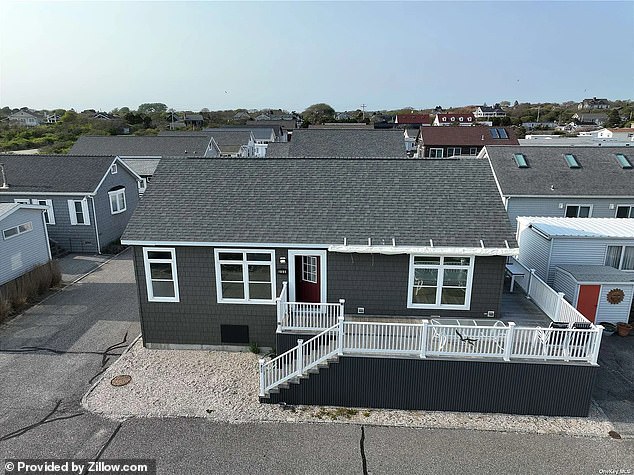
[
  {"x": 546, "y": 298},
  {"x": 422, "y": 340},
  {"x": 304, "y": 316}
]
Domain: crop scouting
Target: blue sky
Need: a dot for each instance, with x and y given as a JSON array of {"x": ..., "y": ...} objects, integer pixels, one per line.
[{"x": 387, "y": 55}]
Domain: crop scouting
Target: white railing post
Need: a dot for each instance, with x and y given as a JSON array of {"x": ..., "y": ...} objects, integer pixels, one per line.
[
  {"x": 278, "y": 302},
  {"x": 261, "y": 362},
  {"x": 299, "y": 357},
  {"x": 340, "y": 335},
  {"x": 530, "y": 283},
  {"x": 341, "y": 304},
  {"x": 423, "y": 339},
  {"x": 509, "y": 341},
  {"x": 594, "y": 357},
  {"x": 559, "y": 304}
]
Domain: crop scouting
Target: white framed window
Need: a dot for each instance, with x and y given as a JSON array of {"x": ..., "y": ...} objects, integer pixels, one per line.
[
  {"x": 113, "y": 169},
  {"x": 117, "y": 200},
  {"x": 435, "y": 153},
  {"x": 245, "y": 276},
  {"x": 142, "y": 184},
  {"x": 78, "y": 211},
  {"x": 309, "y": 269},
  {"x": 22, "y": 201},
  {"x": 451, "y": 151},
  {"x": 620, "y": 257},
  {"x": 440, "y": 282},
  {"x": 624, "y": 211},
  {"x": 161, "y": 276},
  {"x": 17, "y": 230},
  {"x": 49, "y": 215},
  {"x": 578, "y": 211},
  {"x": 473, "y": 150}
]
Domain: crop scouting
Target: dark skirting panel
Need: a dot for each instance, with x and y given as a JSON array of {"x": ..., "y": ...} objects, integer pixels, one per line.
[{"x": 444, "y": 385}]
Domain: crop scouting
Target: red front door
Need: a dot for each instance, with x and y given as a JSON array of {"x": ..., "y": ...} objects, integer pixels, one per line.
[
  {"x": 588, "y": 301},
  {"x": 307, "y": 279}
]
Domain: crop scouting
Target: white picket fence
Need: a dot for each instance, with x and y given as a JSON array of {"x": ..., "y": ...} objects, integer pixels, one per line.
[
  {"x": 425, "y": 339},
  {"x": 546, "y": 298}
]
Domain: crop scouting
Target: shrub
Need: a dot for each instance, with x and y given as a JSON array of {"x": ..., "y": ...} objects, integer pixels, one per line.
[{"x": 254, "y": 348}]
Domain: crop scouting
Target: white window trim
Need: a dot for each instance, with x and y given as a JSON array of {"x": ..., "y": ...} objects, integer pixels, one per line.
[
  {"x": 629, "y": 211},
  {"x": 49, "y": 209},
  {"x": 245, "y": 263},
  {"x": 622, "y": 246},
  {"x": 114, "y": 169},
  {"x": 28, "y": 224},
  {"x": 442, "y": 152},
  {"x": 441, "y": 267},
  {"x": 22, "y": 201},
  {"x": 323, "y": 269},
  {"x": 148, "y": 275},
  {"x": 117, "y": 193},
  {"x": 73, "y": 213},
  {"x": 579, "y": 205},
  {"x": 453, "y": 151}
]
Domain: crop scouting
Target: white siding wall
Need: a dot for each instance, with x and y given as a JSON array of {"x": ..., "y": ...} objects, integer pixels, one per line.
[
  {"x": 607, "y": 312},
  {"x": 534, "y": 251},
  {"x": 566, "y": 284}
]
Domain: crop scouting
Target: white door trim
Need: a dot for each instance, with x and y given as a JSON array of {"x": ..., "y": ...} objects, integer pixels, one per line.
[{"x": 322, "y": 253}]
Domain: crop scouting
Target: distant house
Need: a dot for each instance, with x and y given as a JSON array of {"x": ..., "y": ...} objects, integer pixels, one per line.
[
  {"x": 626, "y": 134},
  {"x": 23, "y": 239},
  {"x": 347, "y": 143},
  {"x": 489, "y": 112},
  {"x": 412, "y": 120},
  {"x": 454, "y": 119},
  {"x": 594, "y": 103},
  {"x": 88, "y": 199},
  {"x": 193, "y": 120},
  {"x": 104, "y": 116},
  {"x": 578, "y": 182},
  {"x": 283, "y": 128},
  {"x": 590, "y": 118},
  {"x": 444, "y": 142},
  {"x": 25, "y": 118},
  {"x": 52, "y": 118},
  {"x": 262, "y": 136},
  {"x": 539, "y": 125},
  {"x": 233, "y": 143},
  {"x": 241, "y": 116},
  {"x": 142, "y": 153},
  {"x": 410, "y": 140},
  {"x": 343, "y": 116}
]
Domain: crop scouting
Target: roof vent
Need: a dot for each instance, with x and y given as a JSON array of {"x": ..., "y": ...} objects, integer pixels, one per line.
[{"x": 3, "y": 178}]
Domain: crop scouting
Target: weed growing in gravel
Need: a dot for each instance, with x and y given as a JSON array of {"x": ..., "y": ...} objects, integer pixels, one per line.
[
  {"x": 334, "y": 414},
  {"x": 254, "y": 348},
  {"x": 366, "y": 414}
]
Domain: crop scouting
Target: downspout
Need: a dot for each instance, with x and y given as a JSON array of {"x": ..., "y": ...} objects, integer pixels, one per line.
[
  {"x": 48, "y": 242},
  {"x": 94, "y": 213}
]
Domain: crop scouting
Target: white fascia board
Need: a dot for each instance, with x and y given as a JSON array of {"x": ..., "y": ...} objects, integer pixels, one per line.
[
  {"x": 21, "y": 206},
  {"x": 427, "y": 250},
  {"x": 48, "y": 193},
  {"x": 585, "y": 197},
  {"x": 134, "y": 242}
]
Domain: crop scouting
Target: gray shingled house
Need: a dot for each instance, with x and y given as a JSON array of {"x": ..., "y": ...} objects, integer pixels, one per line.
[
  {"x": 377, "y": 281},
  {"x": 88, "y": 199},
  {"x": 574, "y": 182}
]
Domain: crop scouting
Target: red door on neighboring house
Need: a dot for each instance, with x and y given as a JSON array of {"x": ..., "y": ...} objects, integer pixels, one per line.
[
  {"x": 307, "y": 279},
  {"x": 588, "y": 300}
]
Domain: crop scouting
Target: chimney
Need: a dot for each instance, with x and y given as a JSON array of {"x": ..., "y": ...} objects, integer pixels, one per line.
[{"x": 3, "y": 178}]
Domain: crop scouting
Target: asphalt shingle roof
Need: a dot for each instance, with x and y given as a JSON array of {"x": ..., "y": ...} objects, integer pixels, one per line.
[
  {"x": 54, "y": 173},
  {"x": 599, "y": 175},
  {"x": 278, "y": 150},
  {"x": 142, "y": 166},
  {"x": 323, "y": 201},
  {"x": 472, "y": 135},
  {"x": 307, "y": 143},
  {"x": 603, "y": 274},
  {"x": 141, "y": 146}
]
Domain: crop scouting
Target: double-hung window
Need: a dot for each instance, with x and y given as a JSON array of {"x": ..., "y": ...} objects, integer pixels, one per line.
[
  {"x": 245, "y": 276},
  {"x": 435, "y": 152},
  {"x": 117, "y": 200},
  {"x": 78, "y": 211},
  {"x": 440, "y": 282},
  {"x": 625, "y": 211},
  {"x": 452, "y": 151},
  {"x": 620, "y": 257},
  {"x": 161, "y": 277},
  {"x": 578, "y": 211},
  {"x": 49, "y": 215}
]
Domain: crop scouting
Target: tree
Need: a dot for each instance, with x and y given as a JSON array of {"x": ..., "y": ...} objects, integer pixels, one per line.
[
  {"x": 319, "y": 113},
  {"x": 152, "y": 107},
  {"x": 614, "y": 119}
]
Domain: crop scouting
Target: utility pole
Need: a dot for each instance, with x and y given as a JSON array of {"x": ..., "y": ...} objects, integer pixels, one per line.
[{"x": 363, "y": 106}]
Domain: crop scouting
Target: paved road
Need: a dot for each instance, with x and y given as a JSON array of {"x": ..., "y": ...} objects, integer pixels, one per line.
[{"x": 49, "y": 355}]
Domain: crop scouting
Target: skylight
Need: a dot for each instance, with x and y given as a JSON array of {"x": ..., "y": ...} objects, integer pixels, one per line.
[
  {"x": 498, "y": 133},
  {"x": 623, "y": 160},
  {"x": 494, "y": 133},
  {"x": 520, "y": 159},
  {"x": 571, "y": 161}
]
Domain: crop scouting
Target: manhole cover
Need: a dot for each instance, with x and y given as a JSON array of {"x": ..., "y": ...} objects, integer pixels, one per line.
[
  {"x": 121, "y": 380},
  {"x": 614, "y": 434}
]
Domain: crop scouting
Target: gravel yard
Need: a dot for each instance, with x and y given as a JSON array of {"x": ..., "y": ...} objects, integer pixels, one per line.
[{"x": 223, "y": 386}]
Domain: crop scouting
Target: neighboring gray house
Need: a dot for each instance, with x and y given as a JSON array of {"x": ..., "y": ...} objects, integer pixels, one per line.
[
  {"x": 142, "y": 153},
  {"x": 88, "y": 199},
  {"x": 559, "y": 182},
  {"x": 23, "y": 240},
  {"x": 29, "y": 119},
  {"x": 347, "y": 143},
  {"x": 332, "y": 228},
  {"x": 572, "y": 254}
]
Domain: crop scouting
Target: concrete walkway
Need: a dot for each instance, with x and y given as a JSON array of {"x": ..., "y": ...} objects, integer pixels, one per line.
[{"x": 73, "y": 266}]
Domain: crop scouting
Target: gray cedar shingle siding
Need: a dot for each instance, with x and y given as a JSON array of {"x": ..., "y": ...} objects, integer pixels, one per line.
[
  {"x": 452, "y": 202},
  {"x": 133, "y": 146},
  {"x": 599, "y": 175},
  {"x": 347, "y": 143}
]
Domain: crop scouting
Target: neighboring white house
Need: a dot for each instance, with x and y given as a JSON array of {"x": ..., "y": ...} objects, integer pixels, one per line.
[
  {"x": 489, "y": 112},
  {"x": 25, "y": 118},
  {"x": 622, "y": 133},
  {"x": 448, "y": 119}
]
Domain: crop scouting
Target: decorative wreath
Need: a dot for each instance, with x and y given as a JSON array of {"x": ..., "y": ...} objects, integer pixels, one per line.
[{"x": 615, "y": 296}]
